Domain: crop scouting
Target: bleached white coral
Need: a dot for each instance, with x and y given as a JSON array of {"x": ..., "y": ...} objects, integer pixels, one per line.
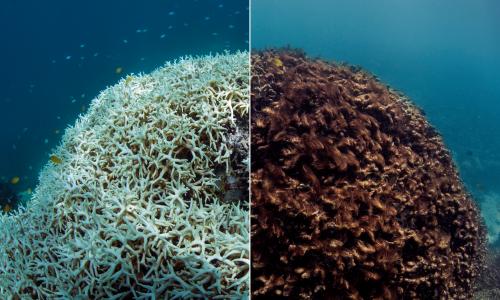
[{"x": 137, "y": 207}]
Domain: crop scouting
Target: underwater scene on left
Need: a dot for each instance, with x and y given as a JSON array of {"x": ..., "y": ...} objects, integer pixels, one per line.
[{"x": 125, "y": 150}]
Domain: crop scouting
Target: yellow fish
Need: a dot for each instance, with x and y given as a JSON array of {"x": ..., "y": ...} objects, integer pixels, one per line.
[
  {"x": 55, "y": 159},
  {"x": 15, "y": 180},
  {"x": 118, "y": 70},
  {"x": 277, "y": 62},
  {"x": 128, "y": 80},
  {"x": 6, "y": 208},
  {"x": 29, "y": 191}
]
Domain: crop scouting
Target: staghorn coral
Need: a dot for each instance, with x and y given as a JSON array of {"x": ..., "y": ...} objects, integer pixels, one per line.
[
  {"x": 354, "y": 195},
  {"x": 137, "y": 206}
]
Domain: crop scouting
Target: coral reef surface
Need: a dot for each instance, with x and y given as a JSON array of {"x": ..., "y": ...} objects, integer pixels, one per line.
[
  {"x": 354, "y": 195},
  {"x": 146, "y": 197},
  {"x": 489, "y": 280}
]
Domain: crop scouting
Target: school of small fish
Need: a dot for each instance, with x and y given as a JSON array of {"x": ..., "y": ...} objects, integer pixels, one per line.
[{"x": 118, "y": 70}]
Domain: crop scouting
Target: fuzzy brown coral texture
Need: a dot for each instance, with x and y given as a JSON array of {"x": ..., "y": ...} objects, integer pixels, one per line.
[{"x": 354, "y": 195}]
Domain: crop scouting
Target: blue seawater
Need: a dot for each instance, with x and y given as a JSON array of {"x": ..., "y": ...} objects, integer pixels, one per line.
[
  {"x": 444, "y": 55},
  {"x": 56, "y": 56}
]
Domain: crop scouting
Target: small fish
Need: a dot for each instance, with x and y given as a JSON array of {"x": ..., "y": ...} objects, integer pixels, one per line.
[
  {"x": 55, "y": 159},
  {"x": 129, "y": 79},
  {"x": 29, "y": 191},
  {"x": 171, "y": 13},
  {"x": 125, "y": 41},
  {"x": 82, "y": 46},
  {"x": 15, "y": 180},
  {"x": 118, "y": 70},
  {"x": 68, "y": 57},
  {"x": 6, "y": 208},
  {"x": 162, "y": 36},
  {"x": 56, "y": 131},
  {"x": 277, "y": 62}
]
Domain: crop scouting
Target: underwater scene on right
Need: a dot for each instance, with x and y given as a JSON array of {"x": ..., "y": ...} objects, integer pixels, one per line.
[{"x": 374, "y": 149}]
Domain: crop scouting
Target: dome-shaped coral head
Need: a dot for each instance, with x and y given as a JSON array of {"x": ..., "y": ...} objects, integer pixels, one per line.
[
  {"x": 354, "y": 195},
  {"x": 146, "y": 197}
]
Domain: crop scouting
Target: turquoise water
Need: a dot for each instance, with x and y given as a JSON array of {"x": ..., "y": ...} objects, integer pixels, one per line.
[
  {"x": 445, "y": 55},
  {"x": 56, "y": 56}
]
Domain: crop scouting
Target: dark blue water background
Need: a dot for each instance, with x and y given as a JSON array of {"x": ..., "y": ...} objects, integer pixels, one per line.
[
  {"x": 42, "y": 89},
  {"x": 445, "y": 55}
]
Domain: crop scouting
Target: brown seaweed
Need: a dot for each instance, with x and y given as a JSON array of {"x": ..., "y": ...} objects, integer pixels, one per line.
[{"x": 354, "y": 195}]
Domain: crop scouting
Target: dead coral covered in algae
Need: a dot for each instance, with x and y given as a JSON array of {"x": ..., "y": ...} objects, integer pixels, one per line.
[
  {"x": 354, "y": 195},
  {"x": 136, "y": 206}
]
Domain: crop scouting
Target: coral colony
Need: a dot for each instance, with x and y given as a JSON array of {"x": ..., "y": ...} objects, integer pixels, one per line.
[
  {"x": 354, "y": 195},
  {"x": 145, "y": 197}
]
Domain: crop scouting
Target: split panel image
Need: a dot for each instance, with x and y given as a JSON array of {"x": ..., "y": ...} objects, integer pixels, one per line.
[{"x": 263, "y": 149}]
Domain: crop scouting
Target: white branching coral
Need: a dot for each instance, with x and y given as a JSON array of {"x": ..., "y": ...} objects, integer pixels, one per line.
[{"x": 138, "y": 207}]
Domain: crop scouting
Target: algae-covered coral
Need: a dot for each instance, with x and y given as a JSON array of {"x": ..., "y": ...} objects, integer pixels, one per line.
[
  {"x": 354, "y": 195},
  {"x": 137, "y": 205}
]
